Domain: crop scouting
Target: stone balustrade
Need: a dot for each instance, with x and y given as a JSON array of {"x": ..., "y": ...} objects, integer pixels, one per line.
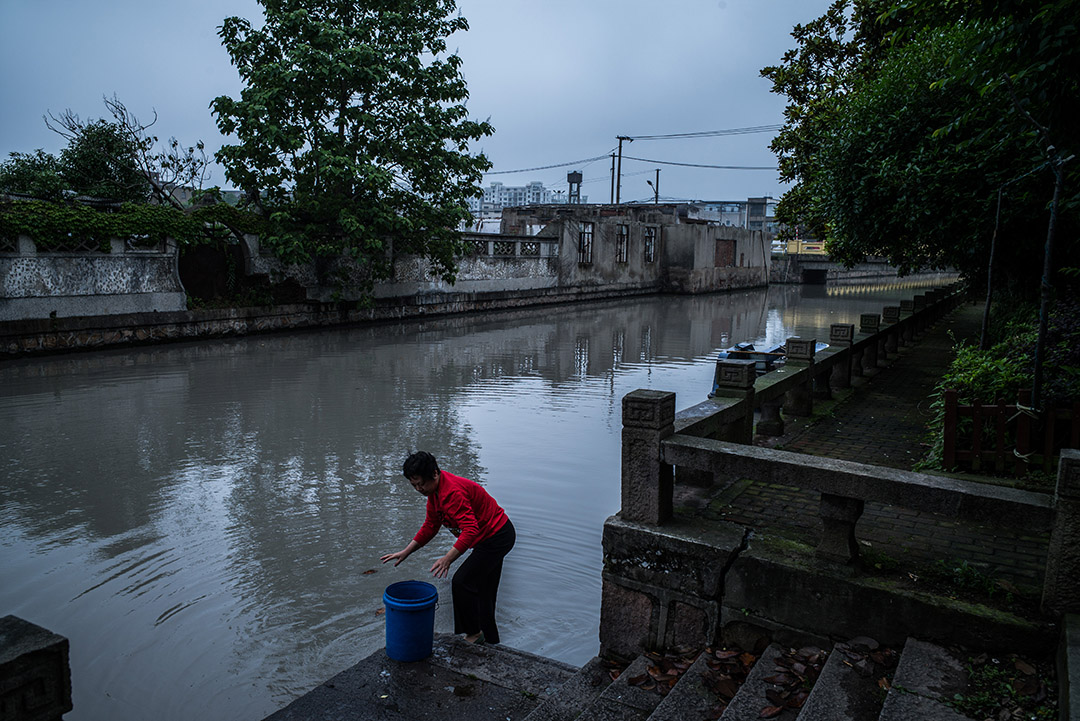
[{"x": 672, "y": 579}]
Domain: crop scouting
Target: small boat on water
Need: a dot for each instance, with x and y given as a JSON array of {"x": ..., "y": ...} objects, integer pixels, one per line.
[{"x": 765, "y": 360}]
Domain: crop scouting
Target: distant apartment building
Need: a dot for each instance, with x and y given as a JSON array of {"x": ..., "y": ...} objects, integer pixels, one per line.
[
  {"x": 498, "y": 196},
  {"x": 752, "y": 213}
]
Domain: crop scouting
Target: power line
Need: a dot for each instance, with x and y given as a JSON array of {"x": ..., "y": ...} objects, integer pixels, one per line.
[
  {"x": 700, "y": 165},
  {"x": 712, "y": 133},
  {"x": 547, "y": 167}
]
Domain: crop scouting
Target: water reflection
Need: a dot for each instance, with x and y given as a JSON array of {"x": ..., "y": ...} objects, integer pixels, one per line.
[{"x": 204, "y": 513}]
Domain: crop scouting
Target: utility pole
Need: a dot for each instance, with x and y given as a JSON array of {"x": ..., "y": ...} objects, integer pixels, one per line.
[
  {"x": 613, "y": 178},
  {"x": 618, "y": 184},
  {"x": 656, "y": 188}
]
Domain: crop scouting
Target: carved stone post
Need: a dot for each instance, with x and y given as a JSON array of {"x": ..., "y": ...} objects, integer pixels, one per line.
[
  {"x": 842, "y": 335},
  {"x": 922, "y": 319},
  {"x": 822, "y": 390},
  {"x": 771, "y": 423},
  {"x": 907, "y": 311},
  {"x": 890, "y": 315},
  {"x": 647, "y": 484},
  {"x": 839, "y": 514},
  {"x": 869, "y": 324},
  {"x": 799, "y": 401},
  {"x": 35, "y": 675},
  {"x": 1061, "y": 590},
  {"x": 735, "y": 379}
]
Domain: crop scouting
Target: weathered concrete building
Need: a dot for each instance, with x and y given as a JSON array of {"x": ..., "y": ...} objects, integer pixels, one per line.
[{"x": 664, "y": 248}]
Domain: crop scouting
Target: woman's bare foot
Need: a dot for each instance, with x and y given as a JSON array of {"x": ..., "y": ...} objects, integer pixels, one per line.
[{"x": 474, "y": 637}]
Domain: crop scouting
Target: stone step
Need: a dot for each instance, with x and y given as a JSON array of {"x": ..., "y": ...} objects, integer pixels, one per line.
[
  {"x": 692, "y": 697},
  {"x": 622, "y": 701},
  {"x": 926, "y": 677},
  {"x": 574, "y": 695},
  {"x": 848, "y": 688},
  {"x": 751, "y": 699}
]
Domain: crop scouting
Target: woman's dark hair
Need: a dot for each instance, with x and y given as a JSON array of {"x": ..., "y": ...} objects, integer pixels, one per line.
[{"x": 421, "y": 464}]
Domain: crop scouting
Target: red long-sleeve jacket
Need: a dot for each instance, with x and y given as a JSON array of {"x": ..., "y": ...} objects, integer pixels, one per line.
[{"x": 465, "y": 508}]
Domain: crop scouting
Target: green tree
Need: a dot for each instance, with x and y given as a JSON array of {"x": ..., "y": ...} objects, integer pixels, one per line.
[
  {"x": 120, "y": 160},
  {"x": 352, "y": 131},
  {"x": 36, "y": 174},
  {"x": 905, "y": 118},
  {"x": 100, "y": 161}
]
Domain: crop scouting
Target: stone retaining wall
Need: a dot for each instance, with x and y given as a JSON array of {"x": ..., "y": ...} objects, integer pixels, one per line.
[{"x": 52, "y": 335}]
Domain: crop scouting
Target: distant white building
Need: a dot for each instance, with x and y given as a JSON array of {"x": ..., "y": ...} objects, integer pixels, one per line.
[
  {"x": 498, "y": 196},
  {"x": 752, "y": 213}
]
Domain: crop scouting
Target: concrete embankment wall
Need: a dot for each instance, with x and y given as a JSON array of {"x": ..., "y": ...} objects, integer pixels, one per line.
[
  {"x": 52, "y": 335},
  {"x": 806, "y": 268}
]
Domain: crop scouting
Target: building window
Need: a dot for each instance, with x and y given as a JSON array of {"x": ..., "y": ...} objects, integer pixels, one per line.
[
  {"x": 650, "y": 244},
  {"x": 622, "y": 244},
  {"x": 584, "y": 248}
]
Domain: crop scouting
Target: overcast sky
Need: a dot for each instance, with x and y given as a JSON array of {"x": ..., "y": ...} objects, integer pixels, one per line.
[{"x": 559, "y": 80}]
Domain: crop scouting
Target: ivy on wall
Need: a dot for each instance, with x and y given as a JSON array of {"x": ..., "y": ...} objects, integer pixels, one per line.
[{"x": 59, "y": 226}]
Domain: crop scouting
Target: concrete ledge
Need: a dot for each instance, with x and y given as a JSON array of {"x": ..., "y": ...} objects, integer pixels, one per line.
[
  {"x": 1068, "y": 668},
  {"x": 35, "y": 674},
  {"x": 778, "y": 585},
  {"x": 951, "y": 497}
]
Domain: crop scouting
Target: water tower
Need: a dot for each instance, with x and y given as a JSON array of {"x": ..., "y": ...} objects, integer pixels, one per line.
[{"x": 574, "y": 179}]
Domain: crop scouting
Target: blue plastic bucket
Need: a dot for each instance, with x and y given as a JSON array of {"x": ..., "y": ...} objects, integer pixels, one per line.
[{"x": 410, "y": 619}]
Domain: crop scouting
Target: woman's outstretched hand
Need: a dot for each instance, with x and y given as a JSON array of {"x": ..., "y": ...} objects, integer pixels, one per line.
[
  {"x": 397, "y": 557},
  {"x": 441, "y": 567}
]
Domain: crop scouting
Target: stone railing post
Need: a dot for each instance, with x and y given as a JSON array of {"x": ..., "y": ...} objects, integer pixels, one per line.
[
  {"x": 1061, "y": 589},
  {"x": 869, "y": 324},
  {"x": 842, "y": 335},
  {"x": 890, "y": 315},
  {"x": 839, "y": 514},
  {"x": 799, "y": 356},
  {"x": 647, "y": 484},
  {"x": 922, "y": 320},
  {"x": 735, "y": 379},
  {"x": 35, "y": 675},
  {"x": 907, "y": 311}
]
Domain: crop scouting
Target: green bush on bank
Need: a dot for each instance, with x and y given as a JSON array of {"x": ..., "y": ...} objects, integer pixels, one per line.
[
  {"x": 1007, "y": 367},
  {"x": 61, "y": 225}
]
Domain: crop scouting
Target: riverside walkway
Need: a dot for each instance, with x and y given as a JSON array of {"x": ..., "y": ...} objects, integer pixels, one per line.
[{"x": 883, "y": 422}]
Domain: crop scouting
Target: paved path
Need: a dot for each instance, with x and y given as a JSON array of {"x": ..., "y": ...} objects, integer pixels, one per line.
[{"x": 883, "y": 422}]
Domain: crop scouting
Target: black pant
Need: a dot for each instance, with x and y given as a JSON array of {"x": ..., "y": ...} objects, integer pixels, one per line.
[{"x": 476, "y": 584}]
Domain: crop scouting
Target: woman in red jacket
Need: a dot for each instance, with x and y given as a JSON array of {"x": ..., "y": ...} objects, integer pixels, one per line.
[{"x": 473, "y": 516}]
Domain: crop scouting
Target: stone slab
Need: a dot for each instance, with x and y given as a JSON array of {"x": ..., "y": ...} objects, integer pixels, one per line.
[
  {"x": 574, "y": 695},
  {"x": 35, "y": 674},
  {"x": 691, "y": 698},
  {"x": 1069, "y": 668},
  {"x": 453, "y": 684},
  {"x": 620, "y": 700},
  {"x": 842, "y": 694},
  {"x": 900, "y": 706},
  {"x": 929, "y": 670},
  {"x": 750, "y": 699}
]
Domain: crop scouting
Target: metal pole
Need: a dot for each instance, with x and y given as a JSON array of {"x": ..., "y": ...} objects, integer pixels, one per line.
[
  {"x": 618, "y": 183},
  {"x": 1046, "y": 289},
  {"x": 613, "y": 176},
  {"x": 656, "y": 188}
]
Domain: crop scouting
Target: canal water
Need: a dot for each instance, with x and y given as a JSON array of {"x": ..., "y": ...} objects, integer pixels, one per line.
[{"x": 204, "y": 521}]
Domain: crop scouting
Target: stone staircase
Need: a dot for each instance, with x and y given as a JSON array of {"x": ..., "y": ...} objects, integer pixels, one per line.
[{"x": 854, "y": 681}]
